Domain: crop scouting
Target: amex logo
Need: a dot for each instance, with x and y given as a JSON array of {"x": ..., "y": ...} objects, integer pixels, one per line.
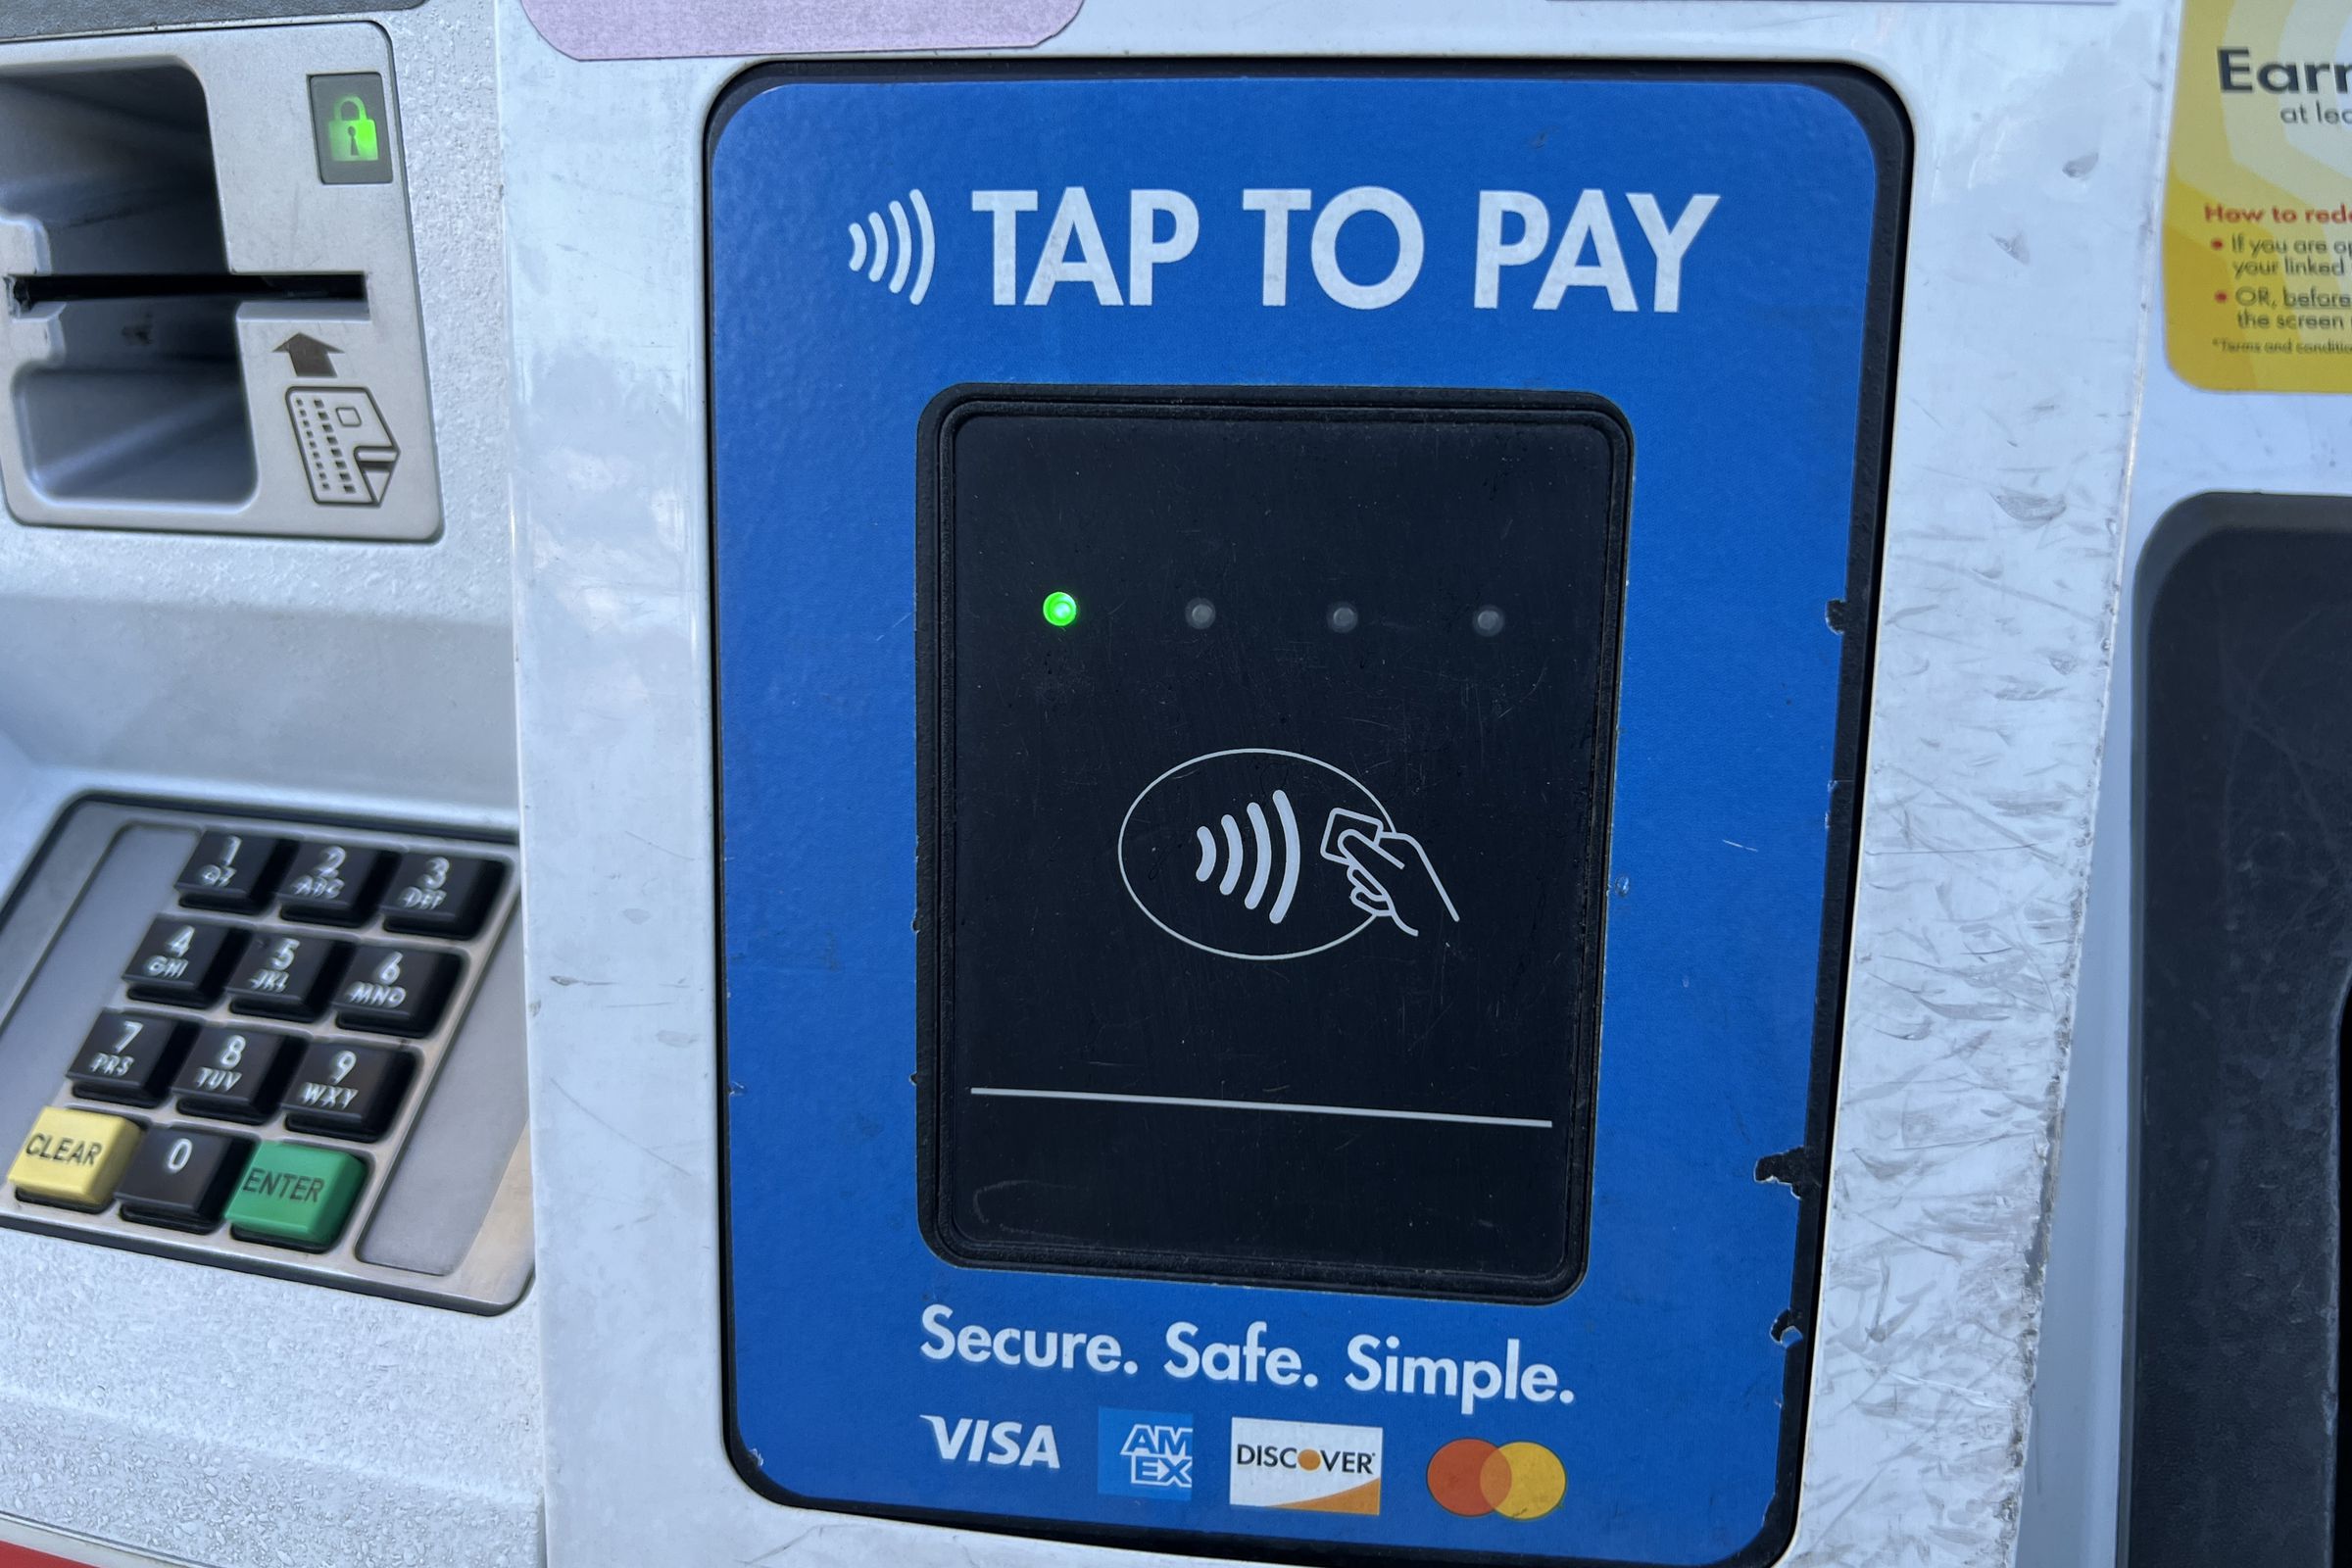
[{"x": 1145, "y": 1453}]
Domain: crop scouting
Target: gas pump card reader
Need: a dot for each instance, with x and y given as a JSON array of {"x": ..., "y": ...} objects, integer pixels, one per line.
[{"x": 1290, "y": 649}]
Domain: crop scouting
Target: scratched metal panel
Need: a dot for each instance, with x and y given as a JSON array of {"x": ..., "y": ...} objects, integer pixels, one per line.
[
  {"x": 2028, "y": 271},
  {"x": 2189, "y": 442}
]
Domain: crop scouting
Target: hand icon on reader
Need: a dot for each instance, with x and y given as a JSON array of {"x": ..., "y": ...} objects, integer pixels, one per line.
[{"x": 1389, "y": 874}]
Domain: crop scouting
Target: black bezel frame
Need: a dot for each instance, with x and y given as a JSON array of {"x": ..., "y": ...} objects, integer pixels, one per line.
[{"x": 934, "y": 686}]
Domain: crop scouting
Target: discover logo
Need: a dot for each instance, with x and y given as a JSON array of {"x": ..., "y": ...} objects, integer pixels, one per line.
[{"x": 1312, "y": 1466}]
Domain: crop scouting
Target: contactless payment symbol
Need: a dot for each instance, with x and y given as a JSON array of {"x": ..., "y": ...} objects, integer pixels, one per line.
[
  {"x": 896, "y": 249},
  {"x": 1215, "y": 852},
  {"x": 1472, "y": 1476}
]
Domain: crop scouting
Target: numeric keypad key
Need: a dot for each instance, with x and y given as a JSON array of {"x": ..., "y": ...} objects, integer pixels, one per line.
[
  {"x": 127, "y": 1057},
  {"x": 285, "y": 974},
  {"x": 396, "y": 991},
  {"x": 182, "y": 961},
  {"x": 235, "y": 871},
  {"x": 236, "y": 1074},
  {"x": 181, "y": 1177},
  {"x": 332, "y": 883},
  {"x": 441, "y": 895},
  {"x": 347, "y": 1090}
]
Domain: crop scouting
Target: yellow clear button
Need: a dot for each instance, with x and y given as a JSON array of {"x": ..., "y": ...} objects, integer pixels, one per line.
[{"x": 73, "y": 1157}]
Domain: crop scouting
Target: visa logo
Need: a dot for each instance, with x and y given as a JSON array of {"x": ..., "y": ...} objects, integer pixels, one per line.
[{"x": 976, "y": 1440}]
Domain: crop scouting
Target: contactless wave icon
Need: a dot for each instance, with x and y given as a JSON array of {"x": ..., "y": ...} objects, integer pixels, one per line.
[
  {"x": 1214, "y": 851},
  {"x": 897, "y": 250},
  {"x": 1236, "y": 856}
]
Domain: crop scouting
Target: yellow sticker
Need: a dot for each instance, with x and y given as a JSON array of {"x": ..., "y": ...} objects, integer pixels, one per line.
[{"x": 2258, "y": 208}]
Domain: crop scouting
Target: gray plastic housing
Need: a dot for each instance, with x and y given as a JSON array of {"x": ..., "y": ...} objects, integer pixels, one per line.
[
  {"x": 202, "y": 332},
  {"x": 306, "y": 678}
]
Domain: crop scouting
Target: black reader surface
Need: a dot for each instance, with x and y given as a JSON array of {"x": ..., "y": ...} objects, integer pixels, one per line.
[{"x": 1265, "y": 829}]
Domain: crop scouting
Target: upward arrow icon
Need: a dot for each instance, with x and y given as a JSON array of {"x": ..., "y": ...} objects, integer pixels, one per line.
[{"x": 308, "y": 356}]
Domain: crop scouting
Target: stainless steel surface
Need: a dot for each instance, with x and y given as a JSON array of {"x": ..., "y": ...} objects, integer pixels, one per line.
[{"x": 441, "y": 1209}]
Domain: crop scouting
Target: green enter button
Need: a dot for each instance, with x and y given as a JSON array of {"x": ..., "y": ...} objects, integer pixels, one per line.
[{"x": 295, "y": 1197}]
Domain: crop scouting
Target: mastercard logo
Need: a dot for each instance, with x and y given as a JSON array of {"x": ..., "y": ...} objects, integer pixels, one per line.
[{"x": 1472, "y": 1476}]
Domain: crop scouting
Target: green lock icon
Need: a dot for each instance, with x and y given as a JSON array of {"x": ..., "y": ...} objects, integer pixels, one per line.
[{"x": 350, "y": 133}]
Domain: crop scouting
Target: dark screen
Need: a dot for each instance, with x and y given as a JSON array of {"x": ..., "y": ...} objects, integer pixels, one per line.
[
  {"x": 1267, "y": 891},
  {"x": 2245, "y": 770}
]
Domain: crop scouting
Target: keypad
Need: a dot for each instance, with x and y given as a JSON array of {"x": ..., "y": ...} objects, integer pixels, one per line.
[{"x": 284, "y": 1009}]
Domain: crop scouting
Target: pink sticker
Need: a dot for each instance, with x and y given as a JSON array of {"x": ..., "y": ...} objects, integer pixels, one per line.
[{"x": 679, "y": 30}]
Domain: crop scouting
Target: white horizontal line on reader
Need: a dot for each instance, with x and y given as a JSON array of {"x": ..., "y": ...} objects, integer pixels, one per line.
[{"x": 1265, "y": 1105}]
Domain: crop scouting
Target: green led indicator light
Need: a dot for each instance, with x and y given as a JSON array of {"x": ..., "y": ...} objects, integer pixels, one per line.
[{"x": 1061, "y": 610}]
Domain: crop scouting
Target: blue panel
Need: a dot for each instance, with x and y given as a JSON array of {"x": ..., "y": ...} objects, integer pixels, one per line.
[{"x": 1737, "y": 714}]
